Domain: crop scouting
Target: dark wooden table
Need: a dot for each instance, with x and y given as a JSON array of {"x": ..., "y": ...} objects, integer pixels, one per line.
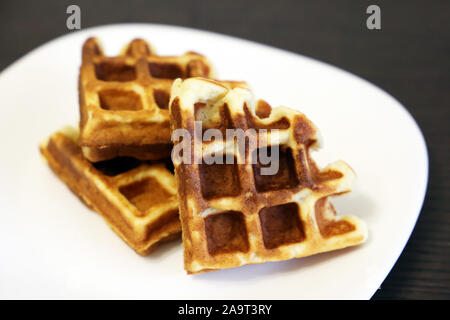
[{"x": 409, "y": 58}]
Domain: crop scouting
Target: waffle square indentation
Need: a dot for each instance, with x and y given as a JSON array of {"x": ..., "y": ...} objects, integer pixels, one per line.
[
  {"x": 162, "y": 98},
  {"x": 285, "y": 177},
  {"x": 145, "y": 193},
  {"x": 165, "y": 70},
  {"x": 219, "y": 180},
  {"x": 115, "y": 71},
  {"x": 119, "y": 100},
  {"x": 226, "y": 232},
  {"x": 281, "y": 225}
]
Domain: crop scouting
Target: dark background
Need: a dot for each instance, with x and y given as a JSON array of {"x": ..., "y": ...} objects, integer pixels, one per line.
[{"x": 409, "y": 58}]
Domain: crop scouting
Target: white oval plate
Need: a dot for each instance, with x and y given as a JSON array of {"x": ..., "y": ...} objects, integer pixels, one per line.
[{"x": 52, "y": 246}]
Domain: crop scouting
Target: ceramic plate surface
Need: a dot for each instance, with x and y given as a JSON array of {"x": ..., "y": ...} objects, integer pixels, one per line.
[{"x": 52, "y": 246}]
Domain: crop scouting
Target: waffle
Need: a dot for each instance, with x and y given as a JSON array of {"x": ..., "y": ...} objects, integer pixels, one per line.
[
  {"x": 137, "y": 200},
  {"x": 124, "y": 99},
  {"x": 231, "y": 214}
]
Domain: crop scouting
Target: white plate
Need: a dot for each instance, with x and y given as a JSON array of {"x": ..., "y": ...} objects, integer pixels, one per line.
[{"x": 52, "y": 246}]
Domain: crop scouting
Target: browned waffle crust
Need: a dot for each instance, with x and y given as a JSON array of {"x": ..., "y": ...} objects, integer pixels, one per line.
[
  {"x": 138, "y": 200},
  {"x": 124, "y": 99},
  {"x": 232, "y": 215}
]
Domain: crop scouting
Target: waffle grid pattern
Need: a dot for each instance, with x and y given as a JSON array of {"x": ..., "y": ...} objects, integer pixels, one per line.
[
  {"x": 124, "y": 99},
  {"x": 231, "y": 214},
  {"x": 137, "y": 199}
]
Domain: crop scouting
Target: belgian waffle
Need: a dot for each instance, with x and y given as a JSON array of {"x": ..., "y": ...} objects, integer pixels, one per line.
[
  {"x": 138, "y": 200},
  {"x": 124, "y": 99},
  {"x": 231, "y": 214}
]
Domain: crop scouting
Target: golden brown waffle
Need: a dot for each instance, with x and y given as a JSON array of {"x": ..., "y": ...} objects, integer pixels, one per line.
[
  {"x": 124, "y": 99},
  {"x": 231, "y": 215},
  {"x": 138, "y": 200}
]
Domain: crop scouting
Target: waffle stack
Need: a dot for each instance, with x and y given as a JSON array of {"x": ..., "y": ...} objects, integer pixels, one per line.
[
  {"x": 232, "y": 206},
  {"x": 231, "y": 212},
  {"x": 116, "y": 162}
]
